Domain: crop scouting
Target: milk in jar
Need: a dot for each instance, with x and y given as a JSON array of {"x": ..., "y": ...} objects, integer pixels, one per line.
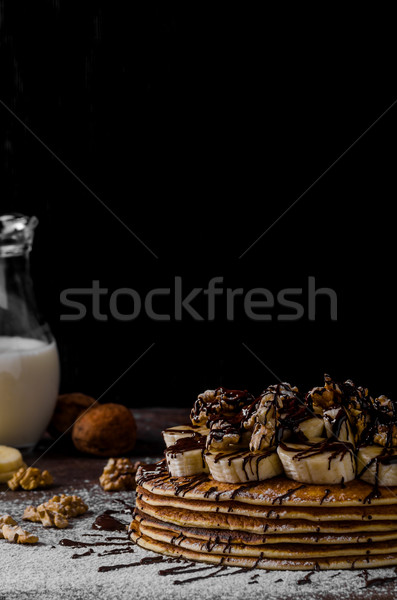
[
  {"x": 29, "y": 379},
  {"x": 29, "y": 363}
]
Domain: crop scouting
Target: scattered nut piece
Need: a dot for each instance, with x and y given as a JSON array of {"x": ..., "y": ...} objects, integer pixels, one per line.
[
  {"x": 30, "y": 479},
  {"x": 220, "y": 402},
  {"x": 119, "y": 474},
  {"x": 7, "y": 520},
  {"x": 17, "y": 535},
  {"x": 50, "y": 518},
  {"x": 56, "y": 511},
  {"x": 31, "y": 514},
  {"x": 68, "y": 506}
]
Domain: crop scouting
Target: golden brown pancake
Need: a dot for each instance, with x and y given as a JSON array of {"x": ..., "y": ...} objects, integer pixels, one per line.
[
  {"x": 272, "y": 492},
  {"x": 295, "y": 551},
  {"x": 322, "y": 563},
  {"x": 273, "y": 524},
  {"x": 244, "y": 537},
  {"x": 323, "y": 513}
]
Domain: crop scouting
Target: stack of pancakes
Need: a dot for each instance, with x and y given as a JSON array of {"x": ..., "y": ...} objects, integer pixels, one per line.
[{"x": 273, "y": 524}]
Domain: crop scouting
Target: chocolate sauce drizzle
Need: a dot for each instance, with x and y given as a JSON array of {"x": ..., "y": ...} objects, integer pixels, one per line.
[
  {"x": 335, "y": 448},
  {"x": 185, "y": 444},
  {"x": 148, "y": 473},
  {"x": 147, "y": 560},
  {"x": 193, "y": 482},
  {"x": 326, "y": 494},
  {"x": 90, "y": 551},
  {"x": 76, "y": 544},
  {"x": 287, "y": 494},
  {"x": 242, "y": 488},
  {"x": 306, "y": 579},
  {"x": 212, "y": 490},
  {"x": 376, "y": 581},
  {"x": 108, "y": 523},
  {"x": 250, "y": 460},
  {"x": 386, "y": 457}
]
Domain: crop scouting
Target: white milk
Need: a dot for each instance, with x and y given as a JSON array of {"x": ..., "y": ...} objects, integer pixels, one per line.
[{"x": 29, "y": 381}]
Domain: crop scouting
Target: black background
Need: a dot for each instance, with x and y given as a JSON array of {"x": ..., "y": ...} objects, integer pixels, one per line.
[{"x": 198, "y": 130}]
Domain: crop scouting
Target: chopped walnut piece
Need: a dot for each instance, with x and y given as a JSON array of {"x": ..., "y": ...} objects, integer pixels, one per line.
[
  {"x": 17, "y": 535},
  {"x": 56, "y": 511},
  {"x": 68, "y": 506},
  {"x": 219, "y": 403},
  {"x": 31, "y": 514},
  {"x": 30, "y": 479},
  {"x": 6, "y": 520},
  {"x": 386, "y": 435},
  {"x": 263, "y": 437},
  {"x": 50, "y": 518},
  {"x": 119, "y": 474}
]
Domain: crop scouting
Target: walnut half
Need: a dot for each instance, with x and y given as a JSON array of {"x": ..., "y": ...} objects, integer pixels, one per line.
[
  {"x": 56, "y": 511},
  {"x": 6, "y": 520},
  {"x": 48, "y": 518},
  {"x": 30, "y": 479},
  {"x": 119, "y": 474},
  {"x": 68, "y": 506},
  {"x": 17, "y": 535}
]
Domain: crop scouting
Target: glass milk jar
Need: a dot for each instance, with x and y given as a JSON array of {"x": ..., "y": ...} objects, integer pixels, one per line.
[{"x": 29, "y": 363}]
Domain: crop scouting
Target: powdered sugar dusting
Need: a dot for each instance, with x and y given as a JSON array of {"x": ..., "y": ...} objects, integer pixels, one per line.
[{"x": 48, "y": 570}]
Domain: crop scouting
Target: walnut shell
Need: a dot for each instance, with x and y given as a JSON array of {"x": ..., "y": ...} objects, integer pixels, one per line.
[
  {"x": 105, "y": 430},
  {"x": 67, "y": 409}
]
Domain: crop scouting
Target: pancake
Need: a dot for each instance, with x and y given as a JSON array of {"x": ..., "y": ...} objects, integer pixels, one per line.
[
  {"x": 282, "y": 551},
  {"x": 323, "y": 513},
  {"x": 273, "y": 524},
  {"x": 183, "y": 517},
  {"x": 248, "y": 562},
  {"x": 288, "y": 533},
  {"x": 272, "y": 492},
  {"x": 244, "y": 537}
]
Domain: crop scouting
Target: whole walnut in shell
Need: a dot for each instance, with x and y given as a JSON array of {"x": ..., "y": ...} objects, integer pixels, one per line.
[
  {"x": 67, "y": 409},
  {"x": 105, "y": 430}
]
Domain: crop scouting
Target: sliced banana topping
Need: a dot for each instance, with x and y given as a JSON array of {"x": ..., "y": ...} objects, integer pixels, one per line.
[
  {"x": 239, "y": 467},
  {"x": 186, "y": 457},
  {"x": 311, "y": 437},
  {"x": 173, "y": 434},
  {"x": 377, "y": 465},
  {"x": 337, "y": 424},
  {"x": 320, "y": 462},
  {"x": 310, "y": 428}
]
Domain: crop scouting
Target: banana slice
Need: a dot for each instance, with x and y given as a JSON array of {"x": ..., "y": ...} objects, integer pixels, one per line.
[
  {"x": 6, "y": 475},
  {"x": 242, "y": 466},
  {"x": 321, "y": 462},
  {"x": 10, "y": 459},
  {"x": 337, "y": 424},
  {"x": 186, "y": 457},
  {"x": 173, "y": 434},
  {"x": 377, "y": 465},
  {"x": 311, "y": 428}
]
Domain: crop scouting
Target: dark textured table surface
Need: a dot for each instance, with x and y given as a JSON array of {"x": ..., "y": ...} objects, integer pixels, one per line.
[
  {"x": 75, "y": 472},
  {"x": 70, "y": 467}
]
